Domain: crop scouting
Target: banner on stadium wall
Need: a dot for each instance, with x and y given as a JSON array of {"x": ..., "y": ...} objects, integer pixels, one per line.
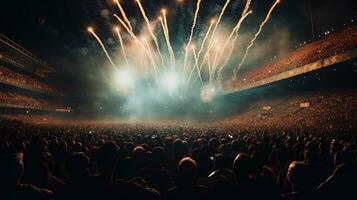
[
  {"x": 63, "y": 110},
  {"x": 305, "y": 105},
  {"x": 266, "y": 108}
]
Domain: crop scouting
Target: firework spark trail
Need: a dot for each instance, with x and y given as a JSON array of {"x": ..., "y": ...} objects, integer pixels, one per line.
[
  {"x": 150, "y": 53},
  {"x": 188, "y": 80},
  {"x": 166, "y": 38},
  {"x": 172, "y": 54},
  {"x": 137, "y": 40},
  {"x": 198, "y": 5},
  {"x": 122, "y": 45},
  {"x": 245, "y": 10},
  {"x": 196, "y": 65},
  {"x": 210, "y": 44},
  {"x": 209, "y": 68},
  {"x": 246, "y": 7},
  {"x": 103, "y": 47},
  {"x": 122, "y": 11},
  {"x": 205, "y": 39},
  {"x": 150, "y": 31},
  {"x": 255, "y": 37},
  {"x": 215, "y": 60},
  {"x": 228, "y": 41}
]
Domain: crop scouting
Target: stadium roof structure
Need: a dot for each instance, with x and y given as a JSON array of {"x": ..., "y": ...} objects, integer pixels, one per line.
[
  {"x": 342, "y": 46},
  {"x": 16, "y": 55}
]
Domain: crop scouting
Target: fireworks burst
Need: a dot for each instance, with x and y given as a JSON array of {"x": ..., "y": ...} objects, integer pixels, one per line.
[{"x": 198, "y": 60}]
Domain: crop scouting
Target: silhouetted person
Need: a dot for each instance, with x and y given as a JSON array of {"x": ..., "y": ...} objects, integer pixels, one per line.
[
  {"x": 156, "y": 173},
  {"x": 340, "y": 185},
  {"x": 301, "y": 180},
  {"x": 11, "y": 172},
  {"x": 186, "y": 187},
  {"x": 242, "y": 167}
]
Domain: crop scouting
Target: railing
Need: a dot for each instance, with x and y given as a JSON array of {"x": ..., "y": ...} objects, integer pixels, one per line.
[
  {"x": 11, "y": 82},
  {"x": 295, "y": 72},
  {"x": 5, "y": 105},
  {"x": 23, "y": 51}
]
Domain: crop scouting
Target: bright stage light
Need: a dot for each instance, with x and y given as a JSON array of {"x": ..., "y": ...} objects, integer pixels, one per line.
[
  {"x": 125, "y": 80},
  {"x": 170, "y": 81}
]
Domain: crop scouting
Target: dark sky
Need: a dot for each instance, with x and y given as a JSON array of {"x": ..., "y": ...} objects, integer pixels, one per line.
[{"x": 56, "y": 30}]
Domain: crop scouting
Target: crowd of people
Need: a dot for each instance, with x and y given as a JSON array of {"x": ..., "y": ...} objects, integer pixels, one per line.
[
  {"x": 24, "y": 80},
  {"x": 158, "y": 161},
  {"x": 24, "y": 101},
  {"x": 327, "y": 110},
  {"x": 331, "y": 45}
]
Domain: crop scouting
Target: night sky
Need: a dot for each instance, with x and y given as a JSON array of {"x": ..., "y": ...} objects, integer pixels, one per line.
[{"x": 56, "y": 30}]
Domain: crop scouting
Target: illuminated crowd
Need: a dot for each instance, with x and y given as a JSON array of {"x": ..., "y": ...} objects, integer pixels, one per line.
[
  {"x": 332, "y": 44},
  {"x": 160, "y": 161},
  {"x": 327, "y": 110},
  {"x": 24, "y": 80},
  {"x": 19, "y": 100}
]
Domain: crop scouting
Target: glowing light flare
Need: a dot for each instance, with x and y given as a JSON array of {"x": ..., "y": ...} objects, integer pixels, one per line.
[
  {"x": 170, "y": 82},
  {"x": 125, "y": 80},
  {"x": 208, "y": 92}
]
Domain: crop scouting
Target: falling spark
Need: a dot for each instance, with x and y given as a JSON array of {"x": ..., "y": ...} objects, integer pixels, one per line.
[
  {"x": 122, "y": 11},
  {"x": 198, "y": 5},
  {"x": 90, "y": 29},
  {"x": 209, "y": 67},
  {"x": 150, "y": 53},
  {"x": 218, "y": 21},
  {"x": 172, "y": 54},
  {"x": 196, "y": 64},
  {"x": 210, "y": 44},
  {"x": 205, "y": 38},
  {"x": 136, "y": 39},
  {"x": 228, "y": 41},
  {"x": 255, "y": 37},
  {"x": 150, "y": 30},
  {"x": 122, "y": 44},
  {"x": 245, "y": 10},
  {"x": 246, "y": 7}
]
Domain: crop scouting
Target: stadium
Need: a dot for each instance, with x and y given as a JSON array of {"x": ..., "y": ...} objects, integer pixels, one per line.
[{"x": 178, "y": 99}]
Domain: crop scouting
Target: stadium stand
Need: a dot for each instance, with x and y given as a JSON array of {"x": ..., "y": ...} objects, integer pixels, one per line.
[
  {"x": 331, "y": 45},
  {"x": 22, "y": 71},
  {"x": 327, "y": 110},
  {"x": 10, "y": 77}
]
